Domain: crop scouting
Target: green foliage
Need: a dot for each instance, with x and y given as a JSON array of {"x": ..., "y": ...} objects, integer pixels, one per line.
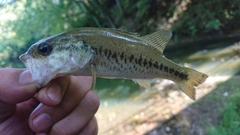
[
  {"x": 31, "y": 20},
  {"x": 34, "y": 20},
  {"x": 230, "y": 119},
  {"x": 208, "y": 17}
]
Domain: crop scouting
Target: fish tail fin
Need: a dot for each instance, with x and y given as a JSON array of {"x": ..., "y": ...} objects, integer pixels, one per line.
[
  {"x": 194, "y": 79},
  {"x": 186, "y": 85}
]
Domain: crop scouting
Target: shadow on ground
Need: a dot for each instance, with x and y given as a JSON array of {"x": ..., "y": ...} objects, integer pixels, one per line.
[{"x": 197, "y": 118}]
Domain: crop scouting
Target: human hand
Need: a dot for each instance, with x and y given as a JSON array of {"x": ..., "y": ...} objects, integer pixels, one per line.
[{"x": 64, "y": 106}]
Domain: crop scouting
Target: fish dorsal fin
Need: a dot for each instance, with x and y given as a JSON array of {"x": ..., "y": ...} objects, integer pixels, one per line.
[
  {"x": 158, "y": 39},
  {"x": 127, "y": 33}
]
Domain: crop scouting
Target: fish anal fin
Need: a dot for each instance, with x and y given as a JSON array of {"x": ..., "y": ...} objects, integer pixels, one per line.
[
  {"x": 144, "y": 83},
  {"x": 158, "y": 39}
]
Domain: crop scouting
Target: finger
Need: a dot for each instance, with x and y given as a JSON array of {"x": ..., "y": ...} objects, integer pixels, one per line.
[
  {"x": 91, "y": 128},
  {"x": 43, "y": 117},
  {"x": 16, "y": 85},
  {"x": 79, "y": 118},
  {"x": 51, "y": 95}
]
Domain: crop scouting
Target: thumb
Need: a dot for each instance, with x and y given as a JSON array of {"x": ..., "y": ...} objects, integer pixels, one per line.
[{"x": 16, "y": 85}]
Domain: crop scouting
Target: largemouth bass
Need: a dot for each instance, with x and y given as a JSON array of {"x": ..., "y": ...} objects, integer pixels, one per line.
[{"x": 103, "y": 52}]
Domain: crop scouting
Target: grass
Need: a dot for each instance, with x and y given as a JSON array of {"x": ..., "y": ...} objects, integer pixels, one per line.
[{"x": 229, "y": 119}]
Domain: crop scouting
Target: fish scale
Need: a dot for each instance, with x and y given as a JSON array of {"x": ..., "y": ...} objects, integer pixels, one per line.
[
  {"x": 148, "y": 70},
  {"x": 111, "y": 53}
]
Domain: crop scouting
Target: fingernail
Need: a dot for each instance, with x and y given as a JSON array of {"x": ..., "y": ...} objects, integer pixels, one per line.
[
  {"x": 25, "y": 78},
  {"x": 54, "y": 93},
  {"x": 42, "y": 122}
]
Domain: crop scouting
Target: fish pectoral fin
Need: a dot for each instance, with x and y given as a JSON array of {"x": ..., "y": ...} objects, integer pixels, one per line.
[
  {"x": 158, "y": 39},
  {"x": 144, "y": 83},
  {"x": 93, "y": 70}
]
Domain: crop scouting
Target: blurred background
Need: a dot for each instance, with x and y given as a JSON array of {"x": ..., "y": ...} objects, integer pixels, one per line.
[{"x": 206, "y": 37}]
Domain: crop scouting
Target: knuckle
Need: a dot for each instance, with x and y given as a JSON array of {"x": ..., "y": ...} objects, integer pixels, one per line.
[
  {"x": 94, "y": 129},
  {"x": 91, "y": 128},
  {"x": 58, "y": 130},
  {"x": 92, "y": 101},
  {"x": 62, "y": 82}
]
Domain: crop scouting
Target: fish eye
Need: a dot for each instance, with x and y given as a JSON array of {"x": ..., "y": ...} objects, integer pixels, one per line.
[{"x": 44, "y": 49}]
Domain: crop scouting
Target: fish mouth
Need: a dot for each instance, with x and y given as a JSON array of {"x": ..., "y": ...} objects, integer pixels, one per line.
[
  {"x": 24, "y": 57},
  {"x": 39, "y": 71}
]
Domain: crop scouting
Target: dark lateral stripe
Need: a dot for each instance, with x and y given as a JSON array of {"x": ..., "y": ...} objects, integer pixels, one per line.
[
  {"x": 145, "y": 63},
  {"x": 131, "y": 58},
  {"x": 155, "y": 65},
  {"x": 166, "y": 69},
  {"x": 180, "y": 75},
  {"x": 161, "y": 66},
  {"x": 125, "y": 60},
  {"x": 136, "y": 60},
  {"x": 150, "y": 63},
  {"x": 120, "y": 58},
  {"x": 100, "y": 50},
  {"x": 105, "y": 52},
  {"x": 140, "y": 60},
  {"x": 122, "y": 55},
  {"x": 114, "y": 56},
  {"x": 95, "y": 50},
  {"x": 171, "y": 70},
  {"x": 109, "y": 54},
  {"x": 183, "y": 76}
]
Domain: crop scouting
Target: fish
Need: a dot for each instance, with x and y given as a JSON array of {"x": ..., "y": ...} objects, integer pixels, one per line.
[{"x": 108, "y": 53}]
